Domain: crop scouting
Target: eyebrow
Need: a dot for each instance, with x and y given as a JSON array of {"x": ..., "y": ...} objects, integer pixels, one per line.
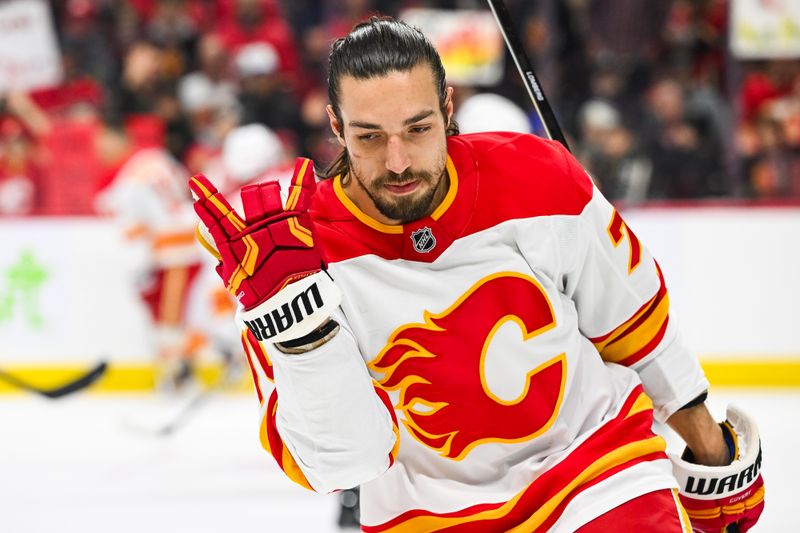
[
  {"x": 418, "y": 117},
  {"x": 407, "y": 122}
]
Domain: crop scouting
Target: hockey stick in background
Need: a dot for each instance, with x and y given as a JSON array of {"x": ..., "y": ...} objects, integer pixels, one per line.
[
  {"x": 534, "y": 88},
  {"x": 86, "y": 379},
  {"x": 169, "y": 423}
]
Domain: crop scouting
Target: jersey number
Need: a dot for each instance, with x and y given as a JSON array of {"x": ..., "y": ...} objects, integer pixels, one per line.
[{"x": 615, "y": 231}]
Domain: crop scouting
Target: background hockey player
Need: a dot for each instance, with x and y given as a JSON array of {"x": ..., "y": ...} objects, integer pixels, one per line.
[
  {"x": 465, "y": 327},
  {"x": 146, "y": 197}
]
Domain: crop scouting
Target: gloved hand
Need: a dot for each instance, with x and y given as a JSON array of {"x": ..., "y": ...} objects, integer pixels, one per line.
[
  {"x": 269, "y": 259},
  {"x": 724, "y": 498}
]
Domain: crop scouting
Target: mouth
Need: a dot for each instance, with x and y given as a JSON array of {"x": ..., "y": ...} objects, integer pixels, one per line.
[{"x": 402, "y": 188}]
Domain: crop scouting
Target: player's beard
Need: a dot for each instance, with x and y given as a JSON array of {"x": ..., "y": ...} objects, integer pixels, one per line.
[{"x": 404, "y": 208}]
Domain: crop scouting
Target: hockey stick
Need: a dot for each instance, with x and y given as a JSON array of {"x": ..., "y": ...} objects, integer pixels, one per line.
[
  {"x": 534, "y": 88},
  {"x": 75, "y": 385},
  {"x": 179, "y": 417},
  {"x": 175, "y": 420}
]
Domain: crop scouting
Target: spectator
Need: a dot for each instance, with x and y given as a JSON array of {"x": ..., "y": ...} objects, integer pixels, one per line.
[
  {"x": 183, "y": 73},
  {"x": 260, "y": 21},
  {"x": 142, "y": 82},
  {"x": 86, "y": 49},
  {"x": 773, "y": 165},
  {"x": 211, "y": 110},
  {"x": 610, "y": 154},
  {"x": 264, "y": 96},
  {"x": 686, "y": 156},
  {"x": 18, "y": 171}
]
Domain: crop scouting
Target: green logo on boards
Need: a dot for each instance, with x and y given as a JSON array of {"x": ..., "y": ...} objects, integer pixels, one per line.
[{"x": 19, "y": 290}]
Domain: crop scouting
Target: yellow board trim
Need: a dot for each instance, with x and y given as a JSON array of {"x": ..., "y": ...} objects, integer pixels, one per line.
[
  {"x": 141, "y": 377},
  {"x": 752, "y": 372},
  {"x": 119, "y": 378}
]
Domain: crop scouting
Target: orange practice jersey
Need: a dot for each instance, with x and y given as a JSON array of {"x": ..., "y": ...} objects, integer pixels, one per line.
[{"x": 491, "y": 370}]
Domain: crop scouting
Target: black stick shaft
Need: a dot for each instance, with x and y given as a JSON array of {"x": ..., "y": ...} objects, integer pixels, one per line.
[
  {"x": 83, "y": 381},
  {"x": 540, "y": 103}
]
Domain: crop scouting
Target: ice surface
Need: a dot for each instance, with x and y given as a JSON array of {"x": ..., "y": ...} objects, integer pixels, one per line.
[{"x": 75, "y": 466}]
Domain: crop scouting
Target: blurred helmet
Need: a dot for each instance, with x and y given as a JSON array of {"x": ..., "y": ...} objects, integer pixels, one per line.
[
  {"x": 195, "y": 92},
  {"x": 598, "y": 114},
  {"x": 249, "y": 151},
  {"x": 256, "y": 59},
  {"x": 491, "y": 112}
]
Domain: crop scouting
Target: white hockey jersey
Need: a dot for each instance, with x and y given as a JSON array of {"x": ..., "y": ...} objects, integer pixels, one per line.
[
  {"x": 488, "y": 374},
  {"x": 149, "y": 198}
]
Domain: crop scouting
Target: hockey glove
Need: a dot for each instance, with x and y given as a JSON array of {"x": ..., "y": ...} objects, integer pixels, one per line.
[
  {"x": 268, "y": 259},
  {"x": 715, "y": 497}
]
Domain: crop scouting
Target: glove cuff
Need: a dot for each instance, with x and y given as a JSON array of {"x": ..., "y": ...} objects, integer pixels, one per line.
[
  {"x": 295, "y": 311},
  {"x": 717, "y": 482}
]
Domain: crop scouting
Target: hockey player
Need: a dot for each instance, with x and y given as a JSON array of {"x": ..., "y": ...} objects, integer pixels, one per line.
[
  {"x": 465, "y": 327},
  {"x": 147, "y": 198}
]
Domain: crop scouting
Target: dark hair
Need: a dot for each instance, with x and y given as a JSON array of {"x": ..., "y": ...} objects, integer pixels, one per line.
[{"x": 372, "y": 49}]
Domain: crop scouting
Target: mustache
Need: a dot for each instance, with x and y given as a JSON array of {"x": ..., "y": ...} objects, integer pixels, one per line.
[{"x": 393, "y": 178}]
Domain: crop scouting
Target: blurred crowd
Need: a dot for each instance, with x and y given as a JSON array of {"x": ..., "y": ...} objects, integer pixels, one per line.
[{"x": 652, "y": 102}]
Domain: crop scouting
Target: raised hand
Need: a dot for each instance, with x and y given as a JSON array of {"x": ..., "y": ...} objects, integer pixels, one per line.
[{"x": 268, "y": 250}]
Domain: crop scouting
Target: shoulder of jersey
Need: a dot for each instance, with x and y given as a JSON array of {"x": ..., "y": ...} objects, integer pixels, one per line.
[
  {"x": 525, "y": 174},
  {"x": 519, "y": 176},
  {"x": 500, "y": 177}
]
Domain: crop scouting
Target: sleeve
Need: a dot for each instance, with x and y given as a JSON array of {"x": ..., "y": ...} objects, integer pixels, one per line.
[
  {"x": 623, "y": 303},
  {"x": 326, "y": 423}
]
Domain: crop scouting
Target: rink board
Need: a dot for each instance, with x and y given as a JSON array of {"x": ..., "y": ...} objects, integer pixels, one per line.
[{"x": 68, "y": 295}]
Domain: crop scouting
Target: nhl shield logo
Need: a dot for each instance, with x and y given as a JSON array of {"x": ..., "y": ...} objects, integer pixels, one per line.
[{"x": 423, "y": 240}]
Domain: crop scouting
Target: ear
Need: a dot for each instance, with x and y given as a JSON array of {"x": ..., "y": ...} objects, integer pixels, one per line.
[
  {"x": 336, "y": 128},
  {"x": 448, "y": 104}
]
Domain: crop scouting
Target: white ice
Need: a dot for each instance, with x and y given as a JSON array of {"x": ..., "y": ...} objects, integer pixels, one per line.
[{"x": 75, "y": 466}]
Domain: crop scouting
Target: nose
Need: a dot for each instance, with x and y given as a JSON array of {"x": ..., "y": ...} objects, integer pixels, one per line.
[{"x": 397, "y": 158}]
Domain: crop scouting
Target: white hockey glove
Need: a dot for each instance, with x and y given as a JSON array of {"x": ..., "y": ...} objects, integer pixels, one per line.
[{"x": 724, "y": 498}]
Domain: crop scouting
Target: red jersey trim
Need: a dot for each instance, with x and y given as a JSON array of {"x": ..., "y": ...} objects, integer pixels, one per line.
[
  {"x": 255, "y": 353},
  {"x": 387, "y": 402},
  {"x": 498, "y": 177},
  {"x": 249, "y": 358},
  {"x": 273, "y": 443},
  {"x": 637, "y": 337},
  {"x": 621, "y": 443}
]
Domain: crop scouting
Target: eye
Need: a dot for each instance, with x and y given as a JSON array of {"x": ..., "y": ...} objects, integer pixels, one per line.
[
  {"x": 367, "y": 137},
  {"x": 419, "y": 129}
]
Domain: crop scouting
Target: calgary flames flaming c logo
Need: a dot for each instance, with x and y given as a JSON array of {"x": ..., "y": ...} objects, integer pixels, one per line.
[{"x": 438, "y": 367}]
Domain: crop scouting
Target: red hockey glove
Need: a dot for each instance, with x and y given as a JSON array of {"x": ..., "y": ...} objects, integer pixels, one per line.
[
  {"x": 724, "y": 498},
  {"x": 268, "y": 259}
]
